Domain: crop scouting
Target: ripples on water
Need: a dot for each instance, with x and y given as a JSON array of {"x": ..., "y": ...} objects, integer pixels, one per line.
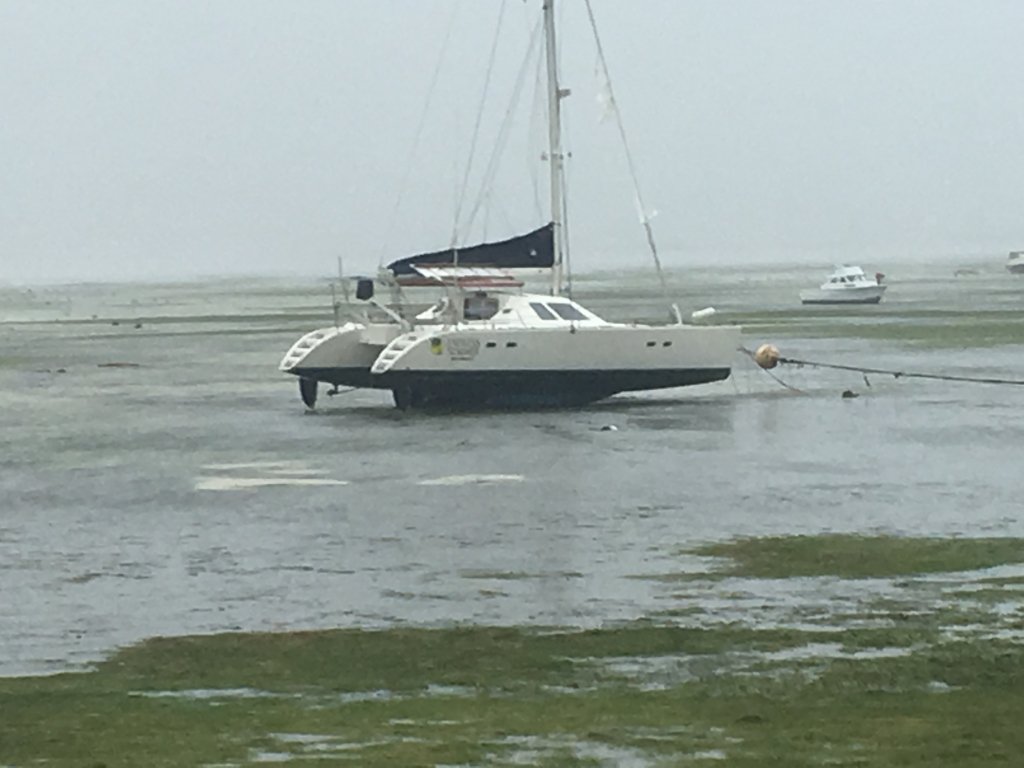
[{"x": 192, "y": 493}]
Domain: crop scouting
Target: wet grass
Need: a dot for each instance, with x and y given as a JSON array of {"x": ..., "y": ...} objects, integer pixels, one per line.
[
  {"x": 926, "y": 676},
  {"x": 990, "y": 595},
  {"x": 500, "y": 575},
  {"x": 855, "y": 556},
  {"x": 1005, "y": 581},
  {"x": 6, "y": 361},
  {"x": 248, "y": 318},
  {"x": 487, "y": 696},
  {"x": 934, "y": 328}
]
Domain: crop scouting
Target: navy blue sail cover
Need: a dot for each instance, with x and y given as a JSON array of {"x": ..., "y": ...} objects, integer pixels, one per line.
[{"x": 533, "y": 250}]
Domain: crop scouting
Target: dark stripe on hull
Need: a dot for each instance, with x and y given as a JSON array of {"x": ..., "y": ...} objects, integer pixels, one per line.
[
  {"x": 871, "y": 300},
  {"x": 513, "y": 389}
]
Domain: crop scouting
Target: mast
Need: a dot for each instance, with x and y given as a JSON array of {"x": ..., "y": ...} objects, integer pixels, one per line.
[{"x": 554, "y": 146}]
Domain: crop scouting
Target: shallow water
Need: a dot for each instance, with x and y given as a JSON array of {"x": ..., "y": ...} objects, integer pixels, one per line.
[{"x": 189, "y": 492}]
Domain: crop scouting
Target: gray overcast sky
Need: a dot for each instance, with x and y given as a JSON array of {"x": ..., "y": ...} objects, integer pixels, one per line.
[{"x": 161, "y": 138}]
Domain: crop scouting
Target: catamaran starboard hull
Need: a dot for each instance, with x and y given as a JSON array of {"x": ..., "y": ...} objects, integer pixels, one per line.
[{"x": 511, "y": 388}]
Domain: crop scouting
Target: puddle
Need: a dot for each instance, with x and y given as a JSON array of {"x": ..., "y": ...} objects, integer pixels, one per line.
[
  {"x": 472, "y": 479},
  {"x": 245, "y": 483},
  {"x": 265, "y": 466},
  {"x": 206, "y": 694},
  {"x": 534, "y": 750}
]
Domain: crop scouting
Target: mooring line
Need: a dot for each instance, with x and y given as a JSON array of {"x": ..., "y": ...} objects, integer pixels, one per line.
[
  {"x": 768, "y": 357},
  {"x": 901, "y": 374}
]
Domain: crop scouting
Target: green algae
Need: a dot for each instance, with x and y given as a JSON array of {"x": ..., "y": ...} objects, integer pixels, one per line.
[
  {"x": 1004, "y": 581},
  {"x": 932, "y": 328},
  {"x": 11, "y": 361},
  {"x": 387, "y": 698},
  {"x": 927, "y": 675},
  {"x": 857, "y": 556},
  {"x": 989, "y": 594}
]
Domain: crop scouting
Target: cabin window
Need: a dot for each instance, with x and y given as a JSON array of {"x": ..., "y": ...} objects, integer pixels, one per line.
[
  {"x": 511, "y": 344},
  {"x": 491, "y": 344},
  {"x": 568, "y": 312},
  {"x": 479, "y": 306},
  {"x": 542, "y": 312},
  {"x": 666, "y": 343}
]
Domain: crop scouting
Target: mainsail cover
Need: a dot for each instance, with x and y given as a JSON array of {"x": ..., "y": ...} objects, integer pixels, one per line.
[{"x": 534, "y": 250}]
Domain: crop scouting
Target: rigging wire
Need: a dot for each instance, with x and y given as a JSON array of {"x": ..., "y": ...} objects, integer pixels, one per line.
[
  {"x": 490, "y": 172},
  {"x": 404, "y": 185},
  {"x": 645, "y": 220},
  {"x": 539, "y": 108},
  {"x": 476, "y": 126}
]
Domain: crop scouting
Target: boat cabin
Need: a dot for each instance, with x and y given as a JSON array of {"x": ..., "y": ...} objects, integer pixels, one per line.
[
  {"x": 851, "y": 277},
  {"x": 847, "y": 275},
  {"x": 502, "y": 308},
  {"x": 483, "y": 295}
]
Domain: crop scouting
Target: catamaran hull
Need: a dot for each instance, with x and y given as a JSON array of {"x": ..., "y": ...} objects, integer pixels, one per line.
[
  {"x": 340, "y": 356},
  {"x": 491, "y": 367},
  {"x": 512, "y": 389},
  {"x": 543, "y": 389}
]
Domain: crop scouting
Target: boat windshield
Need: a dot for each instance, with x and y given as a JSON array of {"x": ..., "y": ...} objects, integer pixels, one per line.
[
  {"x": 567, "y": 311},
  {"x": 542, "y": 311},
  {"x": 480, "y": 306}
]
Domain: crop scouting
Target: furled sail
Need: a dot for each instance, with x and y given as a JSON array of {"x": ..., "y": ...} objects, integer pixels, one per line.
[{"x": 534, "y": 250}]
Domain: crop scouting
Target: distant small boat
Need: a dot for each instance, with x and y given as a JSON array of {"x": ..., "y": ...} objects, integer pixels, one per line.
[
  {"x": 847, "y": 285},
  {"x": 1016, "y": 262}
]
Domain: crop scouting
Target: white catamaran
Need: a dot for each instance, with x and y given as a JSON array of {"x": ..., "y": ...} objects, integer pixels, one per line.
[{"x": 488, "y": 344}]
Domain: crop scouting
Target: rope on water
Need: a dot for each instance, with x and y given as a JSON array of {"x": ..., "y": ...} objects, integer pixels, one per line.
[
  {"x": 767, "y": 356},
  {"x": 902, "y": 374}
]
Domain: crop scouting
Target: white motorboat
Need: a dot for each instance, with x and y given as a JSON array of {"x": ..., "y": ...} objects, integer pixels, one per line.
[
  {"x": 847, "y": 285},
  {"x": 1015, "y": 262},
  {"x": 486, "y": 342}
]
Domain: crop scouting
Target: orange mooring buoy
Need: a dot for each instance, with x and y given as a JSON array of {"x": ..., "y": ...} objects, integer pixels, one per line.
[{"x": 767, "y": 356}]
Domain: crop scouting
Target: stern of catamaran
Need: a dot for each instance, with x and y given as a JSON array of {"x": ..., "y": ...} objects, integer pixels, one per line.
[{"x": 337, "y": 355}]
